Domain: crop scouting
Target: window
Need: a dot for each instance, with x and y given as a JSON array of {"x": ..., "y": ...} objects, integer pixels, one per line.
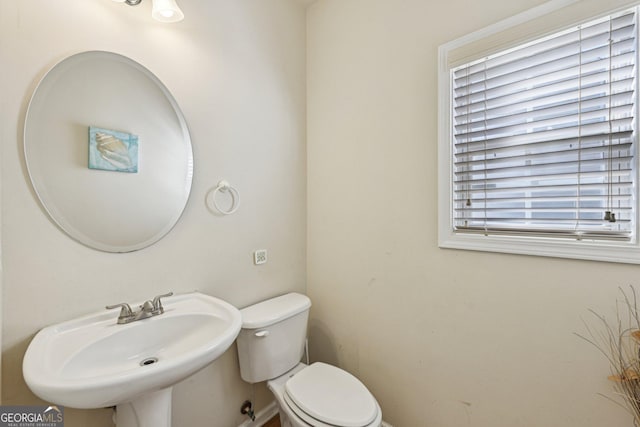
[{"x": 541, "y": 145}]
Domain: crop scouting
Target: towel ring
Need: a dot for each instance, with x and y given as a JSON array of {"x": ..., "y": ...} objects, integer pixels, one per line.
[{"x": 222, "y": 187}]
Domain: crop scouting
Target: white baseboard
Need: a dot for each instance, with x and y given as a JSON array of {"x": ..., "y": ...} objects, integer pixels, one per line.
[
  {"x": 386, "y": 424},
  {"x": 264, "y": 415}
]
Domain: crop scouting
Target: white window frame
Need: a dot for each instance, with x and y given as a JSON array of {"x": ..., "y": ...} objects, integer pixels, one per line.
[{"x": 597, "y": 250}]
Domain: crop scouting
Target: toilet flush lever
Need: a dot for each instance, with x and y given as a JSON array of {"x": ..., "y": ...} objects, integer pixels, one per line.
[{"x": 262, "y": 334}]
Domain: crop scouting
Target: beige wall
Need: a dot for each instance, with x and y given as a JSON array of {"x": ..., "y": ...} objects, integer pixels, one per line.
[
  {"x": 237, "y": 69},
  {"x": 442, "y": 337}
]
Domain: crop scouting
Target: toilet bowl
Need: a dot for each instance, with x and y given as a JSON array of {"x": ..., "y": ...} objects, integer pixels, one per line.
[
  {"x": 323, "y": 396},
  {"x": 270, "y": 346}
]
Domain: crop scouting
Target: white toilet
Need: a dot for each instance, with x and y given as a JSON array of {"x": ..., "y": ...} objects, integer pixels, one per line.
[{"x": 270, "y": 347}]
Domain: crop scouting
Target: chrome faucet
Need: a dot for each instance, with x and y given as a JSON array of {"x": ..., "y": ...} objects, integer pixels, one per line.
[{"x": 148, "y": 309}]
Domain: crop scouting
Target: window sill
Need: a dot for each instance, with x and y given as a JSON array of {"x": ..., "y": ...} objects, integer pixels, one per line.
[{"x": 619, "y": 252}]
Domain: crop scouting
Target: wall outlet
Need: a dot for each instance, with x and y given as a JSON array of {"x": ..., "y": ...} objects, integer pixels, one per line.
[{"x": 260, "y": 256}]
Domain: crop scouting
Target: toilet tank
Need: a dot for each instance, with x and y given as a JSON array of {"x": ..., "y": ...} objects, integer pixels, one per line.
[{"x": 272, "y": 338}]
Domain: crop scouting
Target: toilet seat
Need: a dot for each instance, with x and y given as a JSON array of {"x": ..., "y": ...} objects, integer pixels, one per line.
[{"x": 326, "y": 396}]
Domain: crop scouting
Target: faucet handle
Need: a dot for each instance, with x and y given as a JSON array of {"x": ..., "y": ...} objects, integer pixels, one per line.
[
  {"x": 157, "y": 303},
  {"x": 125, "y": 310}
]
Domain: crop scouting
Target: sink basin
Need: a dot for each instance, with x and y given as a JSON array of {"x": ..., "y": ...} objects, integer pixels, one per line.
[{"x": 92, "y": 362}]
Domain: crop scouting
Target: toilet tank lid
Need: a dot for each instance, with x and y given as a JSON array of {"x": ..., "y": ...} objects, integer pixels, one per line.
[{"x": 274, "y": 310}]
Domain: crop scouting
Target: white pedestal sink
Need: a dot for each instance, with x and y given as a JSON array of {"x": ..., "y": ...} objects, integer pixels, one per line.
[{"x": 93, "y": 362}]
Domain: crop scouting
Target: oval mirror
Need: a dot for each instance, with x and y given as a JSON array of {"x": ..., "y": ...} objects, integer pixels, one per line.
[{"x": 108, "y": 152}]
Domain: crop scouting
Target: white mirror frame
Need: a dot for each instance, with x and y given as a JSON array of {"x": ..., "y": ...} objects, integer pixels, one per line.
[{"x": 108, "y": 210}]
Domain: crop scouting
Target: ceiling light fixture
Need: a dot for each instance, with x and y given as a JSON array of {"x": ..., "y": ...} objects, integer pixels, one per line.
[
  {"x": 166, "y": 11},
  {"x": 162, "y": 10}
]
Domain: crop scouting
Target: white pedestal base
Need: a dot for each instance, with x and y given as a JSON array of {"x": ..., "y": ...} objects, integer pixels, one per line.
[{"x": 149, "y": 410}]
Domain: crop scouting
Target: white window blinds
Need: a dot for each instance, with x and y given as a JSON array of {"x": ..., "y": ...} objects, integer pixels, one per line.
[{"x": 543, "y": 136}]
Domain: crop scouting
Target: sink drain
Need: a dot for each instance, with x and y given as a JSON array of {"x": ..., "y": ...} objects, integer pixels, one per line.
[{"x": 149, "y": 361}]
